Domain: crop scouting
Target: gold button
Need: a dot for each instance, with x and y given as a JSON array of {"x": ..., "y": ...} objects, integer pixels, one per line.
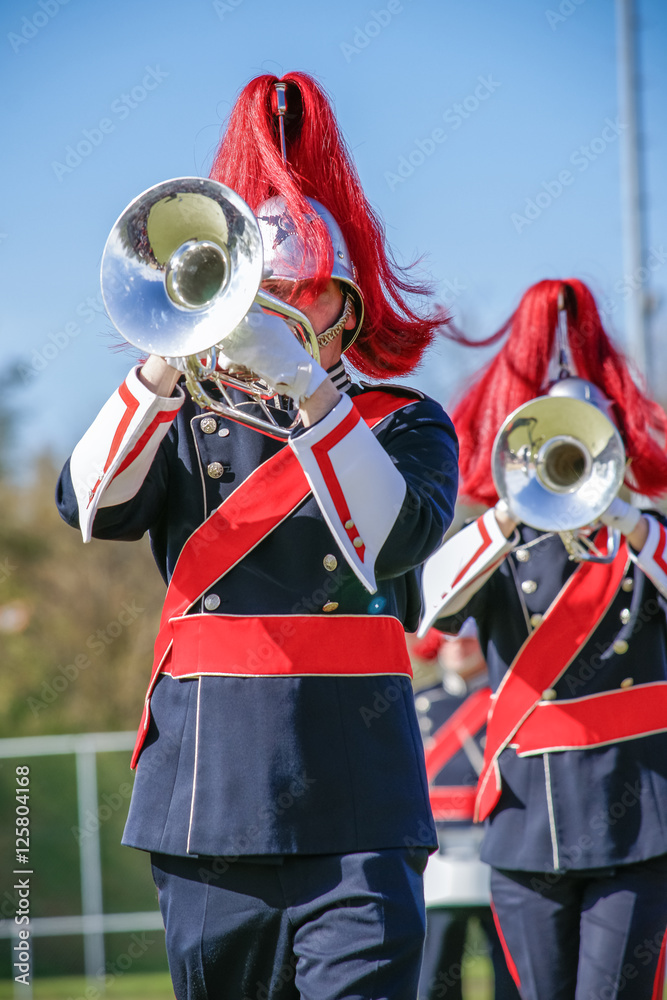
[
  {"x": 357, "y": 542},
  {"x": 523, "y": 555},
  {"x": 330, "y": 606},
  {"x": 549, "y": 695},
  {"x": 627, "y": 584},
  {"x": 628, "y": 682},
  {"x": 349, "y": 525},
  {"x": 330, "y": 562},
  {"x": 620, "y": 646},
  {"x": 625, "y": 616},
  {"x": 529, "y": 586},
  {"x": 215, "y": 470},
  {"x": 536, "y": 620},
  {"x": 211, "y": 602},
  {"x": 209, "y": 425}
]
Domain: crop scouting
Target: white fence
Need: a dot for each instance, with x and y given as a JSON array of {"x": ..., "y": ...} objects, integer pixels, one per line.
[{"x": 91, "y": 923}]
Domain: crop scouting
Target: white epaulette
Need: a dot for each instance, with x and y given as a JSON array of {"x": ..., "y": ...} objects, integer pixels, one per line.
[
  {"x": 111, "y": 460},
  {"x": 459, "y": 568},
  {"x": 652, "y": 560}
]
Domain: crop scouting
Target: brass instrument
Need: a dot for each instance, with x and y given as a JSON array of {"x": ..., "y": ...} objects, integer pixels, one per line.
[
  {"x": 181, "y": 268},
  {"x": 559, "y": 461}
]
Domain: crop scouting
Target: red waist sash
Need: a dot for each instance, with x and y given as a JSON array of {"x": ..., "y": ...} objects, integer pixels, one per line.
[
  {"x": 281, "y": 645},
  {"x": 455, "y": 802},
  {"x": 544, "y": 657},
  {"x": 595, "y": 720},
  {"x": 452, "y": 802}
]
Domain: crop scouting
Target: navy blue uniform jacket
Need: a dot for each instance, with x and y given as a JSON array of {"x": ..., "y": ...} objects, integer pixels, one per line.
[
  {"x": 584, "y": 808},
  {"x": 256, "y": 765}
]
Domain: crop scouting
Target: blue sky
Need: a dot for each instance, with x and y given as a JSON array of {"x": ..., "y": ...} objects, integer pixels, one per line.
[{"x": 458, "y": 115}]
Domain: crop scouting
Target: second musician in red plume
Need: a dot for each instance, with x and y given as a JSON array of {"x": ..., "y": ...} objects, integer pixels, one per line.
[{"x": 571, "y": 619}]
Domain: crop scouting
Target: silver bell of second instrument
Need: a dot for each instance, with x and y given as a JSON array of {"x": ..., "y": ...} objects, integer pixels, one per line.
[{"x": 559, "y": 460}]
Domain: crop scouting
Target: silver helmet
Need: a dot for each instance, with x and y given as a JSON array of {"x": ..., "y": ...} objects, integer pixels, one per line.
[
  {"x": 573, "y": 387},
  {"x": 287, "y": 259}
]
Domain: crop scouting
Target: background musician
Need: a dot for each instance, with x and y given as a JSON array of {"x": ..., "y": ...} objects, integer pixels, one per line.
[{"x": 574, "y": 782}]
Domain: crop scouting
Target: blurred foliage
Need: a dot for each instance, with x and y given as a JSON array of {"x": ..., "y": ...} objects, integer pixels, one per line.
[{"x": 77, "y": 622}]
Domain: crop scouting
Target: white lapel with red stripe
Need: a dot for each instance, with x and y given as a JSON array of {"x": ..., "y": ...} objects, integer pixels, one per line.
[
  {"x": 111, "y": 460},
  {"x": 652, "y": 560},
  {"x": 460, "y": 567},
  {"x": 358, "y": 489}
]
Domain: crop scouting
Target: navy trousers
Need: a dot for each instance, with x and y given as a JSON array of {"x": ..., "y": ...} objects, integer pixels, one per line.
[
  {"x": 318, "y": 927},
  {"x": 592, "y": 935}
]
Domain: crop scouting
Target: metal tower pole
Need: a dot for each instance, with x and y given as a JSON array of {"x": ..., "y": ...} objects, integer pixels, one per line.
[{"x": 632, "y": 198}]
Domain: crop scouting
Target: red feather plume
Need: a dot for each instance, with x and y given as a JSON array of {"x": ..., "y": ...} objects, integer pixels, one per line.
[
  {"x": 519, "y": 372},
  {"x": 319, "y": 165}
]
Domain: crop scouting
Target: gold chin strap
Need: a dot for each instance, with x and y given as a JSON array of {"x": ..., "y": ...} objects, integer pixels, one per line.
[{"x": 334, "y": 331}]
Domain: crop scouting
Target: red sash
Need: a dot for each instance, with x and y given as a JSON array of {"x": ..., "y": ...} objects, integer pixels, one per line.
[
  {"x": 279, "y": 645},
  {"x": 544, "y": 657},
  {"x": 594, "y": 720},
  {"x": 455, "y": 802},
  {"x": 452, "y": 802},
  {"x": 266, "y": 498}
]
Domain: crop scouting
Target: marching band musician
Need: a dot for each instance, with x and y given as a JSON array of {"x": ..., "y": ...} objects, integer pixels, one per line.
[
  {"x": 574, "y": 781},
  {"x": 287, "y": 817}
]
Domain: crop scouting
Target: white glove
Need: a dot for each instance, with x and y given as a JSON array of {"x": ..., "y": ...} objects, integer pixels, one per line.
[
  {"x": 621, "y": 516},
  {"x": 265, "y": 345},
  {"x": 507, "y": 522},
  {"x": 180, "y": 364}
]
